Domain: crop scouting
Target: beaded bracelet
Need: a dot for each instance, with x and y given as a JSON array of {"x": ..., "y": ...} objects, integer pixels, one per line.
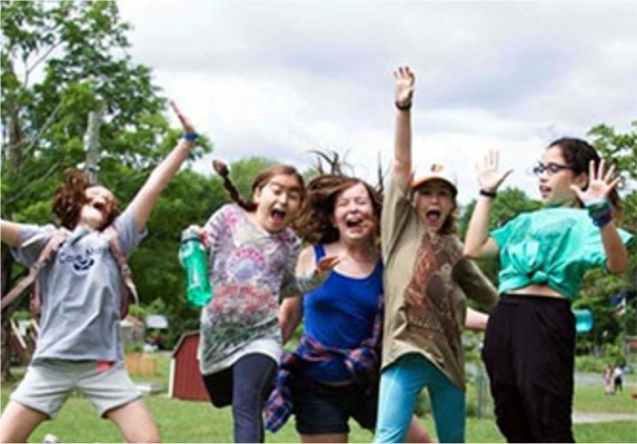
[{"x": 600, "y": 211}]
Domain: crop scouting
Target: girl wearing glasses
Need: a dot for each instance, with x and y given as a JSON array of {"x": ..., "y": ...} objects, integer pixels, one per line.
[{"x": 530, "y": 341}]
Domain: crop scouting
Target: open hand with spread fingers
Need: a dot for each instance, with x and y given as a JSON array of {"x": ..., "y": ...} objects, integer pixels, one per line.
[
  {"x": 404, "y": 87},
  {"x": 187, "y": 126},
  {"x": 600, "y": 184},
  {"x": 326, "y": 264},
  {"x": 489, "y": 178}
]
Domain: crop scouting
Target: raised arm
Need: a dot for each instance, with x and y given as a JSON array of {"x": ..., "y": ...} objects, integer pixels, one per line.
[
  {"x": 595, "y": 198},
  {"x": 404, "y": 93},
  {"x": 10, "y": 233},
  {"x": 147, "y": 196},
  {"x": 477, "y": 243}
]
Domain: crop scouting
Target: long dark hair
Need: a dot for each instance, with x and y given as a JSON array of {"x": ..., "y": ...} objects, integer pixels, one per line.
[{"x": 578, "y": 154}]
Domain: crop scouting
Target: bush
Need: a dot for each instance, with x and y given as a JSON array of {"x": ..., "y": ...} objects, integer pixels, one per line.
[{"x": 594, "y": 364}]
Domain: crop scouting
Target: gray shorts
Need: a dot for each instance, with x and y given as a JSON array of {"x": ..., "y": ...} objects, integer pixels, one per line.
[{"x": 49, "y": 382}]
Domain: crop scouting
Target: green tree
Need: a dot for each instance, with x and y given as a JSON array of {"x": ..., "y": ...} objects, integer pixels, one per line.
[
  {"x": 599, "y": 287},
  {"x": 59, "y": 62}
]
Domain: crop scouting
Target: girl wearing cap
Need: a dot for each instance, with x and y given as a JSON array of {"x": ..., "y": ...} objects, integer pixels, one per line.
[
  {"x": 426, "y": 278},
  {"x": 530, "y": 342}
]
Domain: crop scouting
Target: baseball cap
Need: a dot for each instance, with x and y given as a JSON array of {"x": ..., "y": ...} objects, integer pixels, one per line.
[{"x": 434, "y": 171}]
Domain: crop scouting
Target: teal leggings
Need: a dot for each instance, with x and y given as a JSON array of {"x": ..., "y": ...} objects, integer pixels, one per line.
[{"x": 400, "y": 385}]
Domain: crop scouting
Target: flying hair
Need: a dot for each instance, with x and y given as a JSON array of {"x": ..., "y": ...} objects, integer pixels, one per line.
[{"x": 314, "y": 224}]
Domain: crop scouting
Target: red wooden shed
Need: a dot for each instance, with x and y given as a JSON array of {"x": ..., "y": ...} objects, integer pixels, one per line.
[{"x": 185, "y": 379}]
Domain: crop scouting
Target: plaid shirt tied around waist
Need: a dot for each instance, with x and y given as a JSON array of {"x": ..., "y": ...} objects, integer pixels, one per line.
[{"x": 363, "y": 363}]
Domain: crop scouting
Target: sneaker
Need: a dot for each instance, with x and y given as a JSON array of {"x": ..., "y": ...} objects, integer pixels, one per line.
[{"x": 51, "y": 439}]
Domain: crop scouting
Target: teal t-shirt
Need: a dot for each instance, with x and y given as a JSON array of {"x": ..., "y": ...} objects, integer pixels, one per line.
[{"x": 552, "y": 247}]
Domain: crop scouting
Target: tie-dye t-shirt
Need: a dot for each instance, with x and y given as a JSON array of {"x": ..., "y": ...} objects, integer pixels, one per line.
[{"x": 251, "y": 270}]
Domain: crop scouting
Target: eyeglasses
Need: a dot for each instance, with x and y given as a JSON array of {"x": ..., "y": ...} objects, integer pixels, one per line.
[{"x": 551, "y": 168}]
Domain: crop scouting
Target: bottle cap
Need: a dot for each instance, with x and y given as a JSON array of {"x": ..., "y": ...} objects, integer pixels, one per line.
[{"x": 189, "y": 234}]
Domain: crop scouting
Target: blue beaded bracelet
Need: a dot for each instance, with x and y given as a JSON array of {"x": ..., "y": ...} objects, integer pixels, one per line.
[
  {"x": 603, "y": 220},
  {"x": 600, "y": 211},
  {"x": 190, "y": 137}
]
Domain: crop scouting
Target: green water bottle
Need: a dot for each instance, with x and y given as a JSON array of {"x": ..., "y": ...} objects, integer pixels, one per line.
[
  {"x": 192, "y": 256},
  {"x": 583, "y": 320}
]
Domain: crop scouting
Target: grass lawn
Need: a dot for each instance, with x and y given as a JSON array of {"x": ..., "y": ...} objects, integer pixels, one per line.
[
  {"x": 591, "y": 398},
  {"x": 182, "y": 421}
]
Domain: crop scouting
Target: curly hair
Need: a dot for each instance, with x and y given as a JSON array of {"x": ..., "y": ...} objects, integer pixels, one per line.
[
  {"x": 314, "y": 223},
  {"x": 70, "y": 197}
]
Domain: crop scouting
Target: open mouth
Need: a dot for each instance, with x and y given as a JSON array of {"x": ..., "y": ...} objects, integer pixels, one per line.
[
  {"x": 278, "y": 215},
  {"x": 433, "y": 216},
  {"x": 352, "y": 222}
]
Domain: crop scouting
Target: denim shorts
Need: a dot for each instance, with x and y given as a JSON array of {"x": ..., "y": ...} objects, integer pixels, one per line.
[
  {"x": 49, "y": 382},
  {"x": 322, "y": 408}
]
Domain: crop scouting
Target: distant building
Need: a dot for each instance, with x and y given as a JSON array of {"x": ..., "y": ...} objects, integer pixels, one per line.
[{"x": 185, "y": 379}]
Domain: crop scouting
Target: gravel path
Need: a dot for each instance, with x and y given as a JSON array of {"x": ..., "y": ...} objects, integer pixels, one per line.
[{"x": 582, "y": 418}]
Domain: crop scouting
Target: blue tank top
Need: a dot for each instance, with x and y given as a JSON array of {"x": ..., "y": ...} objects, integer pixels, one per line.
[{"x": 340, "y": 314}]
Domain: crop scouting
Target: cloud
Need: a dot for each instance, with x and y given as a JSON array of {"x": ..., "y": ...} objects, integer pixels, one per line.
[{"x": 278, "y": 79}]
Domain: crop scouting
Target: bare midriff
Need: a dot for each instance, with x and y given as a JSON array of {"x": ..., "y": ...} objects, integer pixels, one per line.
[{"x": 537, "y": 290}]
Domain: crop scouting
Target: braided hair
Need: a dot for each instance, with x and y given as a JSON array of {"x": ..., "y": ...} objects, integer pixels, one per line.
[{"x": 259, "y": 182}]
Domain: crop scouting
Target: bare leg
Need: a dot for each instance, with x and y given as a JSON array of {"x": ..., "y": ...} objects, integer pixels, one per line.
[
  {"x": 18, "y": 422},
  {"x": 134, "y": 422},
  {"x": 325, "y": 437},
  {"x": 417, "y": 432}
]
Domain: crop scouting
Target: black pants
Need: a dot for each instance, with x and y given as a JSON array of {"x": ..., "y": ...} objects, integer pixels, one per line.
[
  {"x": 246, "y": 385},
  {"x": 617, "y": 384},
  {"x": 529, "y": 354}
]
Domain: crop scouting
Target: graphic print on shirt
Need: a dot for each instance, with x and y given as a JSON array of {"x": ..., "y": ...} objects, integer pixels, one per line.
[
  {"x": 428, "y": 294},
  {"x": 244, "y": 298},
  {"x": 246, "y": 276},
  {"x": 81, "y": 258}
]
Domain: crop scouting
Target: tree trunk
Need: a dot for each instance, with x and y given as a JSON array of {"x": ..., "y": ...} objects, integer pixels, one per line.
[
  {"x": 5, "y": 350},
  {"x": 16, "y": 162},
  {"x": 91, "y": 145}
]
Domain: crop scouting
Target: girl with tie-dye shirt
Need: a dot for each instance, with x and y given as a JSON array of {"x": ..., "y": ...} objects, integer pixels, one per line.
[{"x": 253, "y": 256}]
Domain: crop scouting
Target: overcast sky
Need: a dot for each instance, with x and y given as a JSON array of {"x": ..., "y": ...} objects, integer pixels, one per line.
[{"x": 278, "y": 79}]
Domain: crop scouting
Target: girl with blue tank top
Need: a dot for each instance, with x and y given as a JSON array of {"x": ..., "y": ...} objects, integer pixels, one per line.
[
  {"x": 332, "y": 375},
  {"x": 530, "y": 343},
  {"x": 340, "y": 314}
]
